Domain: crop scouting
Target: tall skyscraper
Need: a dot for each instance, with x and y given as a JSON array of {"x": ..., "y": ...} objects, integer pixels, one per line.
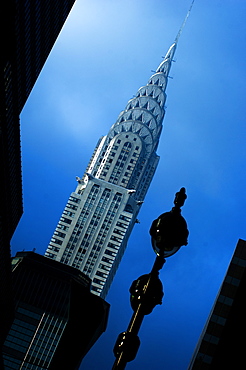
[
  {"x": 222, "y": 342},
  {"x": 99, "y": 216},
  {"x": 29, "y": 29}
]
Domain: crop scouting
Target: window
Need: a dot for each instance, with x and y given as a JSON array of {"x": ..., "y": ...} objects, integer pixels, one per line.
[
  {"x": 104, "y": 267},
  {"x": 119, "y": 232},
  {"x": 68, "y": 213},
  {"x": 110, "y": 253},
  {"x": 73, "y": 199},
  {"x": 218, "y": 319},
  {"x": 211, "y": 338},
  {"x": 50, "y": 255},
  {"x": 125, "y": 218},
  {"x": 95, "y": 289},
  {"x": 58, "y": 233},
  {"x": 56, "y": 241},
  {"x": 72, "y": 206},
  {"x": 115, "y": 238},
  {"x": 66, "y": 220},
  {"x": 63, "y": 227},
  {"x": 97, "y": 281},
  {"x": 113, "y": 246},
  {"x": 55, "y": 249},
  {"x": 21, "y": 332},
  {"x": 226, "y": 300},
  {"x": 108, "y": 260},
  {"x": 120, "y": 224},
  {"x": 99, "y": 273},
  {"x": 11, "y": 363}
]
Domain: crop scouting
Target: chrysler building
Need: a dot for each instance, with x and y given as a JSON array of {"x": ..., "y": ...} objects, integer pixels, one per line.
[
  {"x": 99, "y": 216},
  {"x": 95, "y": 226}
]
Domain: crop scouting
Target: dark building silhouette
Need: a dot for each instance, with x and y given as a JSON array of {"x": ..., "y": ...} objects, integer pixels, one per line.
[
  {"x": 222, "y": 343},
  {"x": 57, "y": 319},
  {"x": 29, "y": 29}
]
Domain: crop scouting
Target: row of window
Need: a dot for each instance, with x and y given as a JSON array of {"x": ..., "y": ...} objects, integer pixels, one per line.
[
  {"x": 80, "y": 223},
  {"x": 60, "y": 234},
  {"x": 102, "y": 235},
  {"x": 109, "y": 257},
  {"x": 66, "y": 220},
  {"x": 11, "y": 363},
  {"x": 62, "y": 227},
  {"x": 219, "y": 317},
  {"x": 116, "y": 176},
  {"x": 74, "y": 199},
  {"x": 69, "y": 213},
  {"x": 46, "y": 339},
  {"x": 122, "y": 158},
  {"x": 21, "y": 331},
  {"x": 92, "y": 228},
  {"x": 100, "y": 280},
  {"x": 100, "y": 239},
  {"x": 72, "y": 204}
]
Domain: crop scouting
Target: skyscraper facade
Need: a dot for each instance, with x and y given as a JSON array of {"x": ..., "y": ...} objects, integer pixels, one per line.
[
  {"x": 99, "y": 216},
  {"x": 222, "y": 342},
  {"x": 30, "y": 29}
]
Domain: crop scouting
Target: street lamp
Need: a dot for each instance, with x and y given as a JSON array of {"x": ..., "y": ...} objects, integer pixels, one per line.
[{"x": 168, "y": 234}]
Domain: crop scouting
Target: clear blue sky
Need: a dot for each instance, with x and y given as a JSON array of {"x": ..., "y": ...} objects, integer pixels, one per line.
[{"x": 105, "y": 52}]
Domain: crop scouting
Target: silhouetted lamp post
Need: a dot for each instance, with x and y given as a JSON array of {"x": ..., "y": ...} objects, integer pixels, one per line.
[{"x": 168, "y": 233}]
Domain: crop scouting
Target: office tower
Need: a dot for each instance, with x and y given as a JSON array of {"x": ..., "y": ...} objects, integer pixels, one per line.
[
  {"x": 222, "y": 343},
  {"x": 57, "y": 318},
  {"x": 98, "y": 218},
  {"x": 29, "y": 29}
]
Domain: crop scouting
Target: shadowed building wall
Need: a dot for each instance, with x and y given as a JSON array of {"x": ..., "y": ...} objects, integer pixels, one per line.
[
  {"x": 29, "y": 29},
  {"x": 57, "y": 319},
  {"x": 222, "y": 343}
]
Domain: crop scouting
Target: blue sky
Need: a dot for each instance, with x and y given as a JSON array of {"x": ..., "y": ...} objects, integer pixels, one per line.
[{"x": 105, "y": 52}]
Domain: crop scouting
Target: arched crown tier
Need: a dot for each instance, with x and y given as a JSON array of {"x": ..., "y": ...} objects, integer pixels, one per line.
[
  {"x": 144, "y": 132},
  {"x": 165, "y": 66},
  {"x": 145, "y": 112}
]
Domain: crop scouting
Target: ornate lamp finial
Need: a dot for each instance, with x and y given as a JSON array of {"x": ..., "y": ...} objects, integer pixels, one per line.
[{"x": 169, "y": 231}]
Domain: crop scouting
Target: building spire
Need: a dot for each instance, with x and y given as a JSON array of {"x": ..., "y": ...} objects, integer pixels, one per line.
[
  {"x": 183, "y": 24},
  {"x": 165, "y": 66}
]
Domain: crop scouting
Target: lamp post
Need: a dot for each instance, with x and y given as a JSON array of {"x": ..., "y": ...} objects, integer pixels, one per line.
[{"x": 168, "y": 234}]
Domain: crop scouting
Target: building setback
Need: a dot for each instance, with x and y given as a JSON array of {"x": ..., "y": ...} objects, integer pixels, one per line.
[
  {"x": 57, "y": 318},
  {"x": 222, "y": 342},
  {"x": 99, "y": 216}
]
